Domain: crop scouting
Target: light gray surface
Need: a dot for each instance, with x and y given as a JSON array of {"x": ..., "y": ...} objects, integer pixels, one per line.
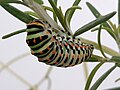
[{"x": 30, "y": 69}]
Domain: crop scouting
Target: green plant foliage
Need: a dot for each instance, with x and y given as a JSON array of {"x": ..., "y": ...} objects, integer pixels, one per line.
[
  {"x": 17, "y": 13},
  {"x": 115, "y": 59},
  {"x": 58, "y": 14},
  {"x": 94, "y": 23},
  {"x": 39, "y": 1},
  {"x": 96, "y": 13},
  {"x": 17, "y": 32},
  {"x": 118, "y": 11},
  {"x": 31, "y": 14},
  {"x": 99, "y": 41},
  {"x": 8, "y": 1},
  {"x": 115, "y": 88},
  {"x": 102, "y": 78},
  {"x": 92, "y": 75},
  {"x": 67, "y": 14},
  {"x": 73, "y": 10},
  {"x": 40, "y": 11},
  {"x": 117, "y": 80},
  {"x": 106, "y": 49}
]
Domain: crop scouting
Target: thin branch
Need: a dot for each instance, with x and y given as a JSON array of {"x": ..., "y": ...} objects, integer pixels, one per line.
[
  {"x": 16, "y": 75},
  {"x": 13, "y": 61},
  {"x": 46, "y": 77}
]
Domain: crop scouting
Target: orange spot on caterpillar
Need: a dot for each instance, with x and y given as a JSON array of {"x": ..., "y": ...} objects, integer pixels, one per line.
[
  {"x": 40, "y": 37},
  {"x": 77, "y": 46},
  {"x": 60, "y": 55},
  {"x": 52, "y": 39},
  {"x": 72, "y": 45},
  {"x": 83, "y": 46},
  {"x": 47, "y": 32},
  {"x": 39, "y": 59},
  {"x": 32, "y": 52},
  {"x": 73, "y": 55},
  {"x": 55, "y": 62},
  {"x": 66, "y": 44},
  {"x": 54, "y": 52},
  {"x": 34, "y": 41},
  {"x": 66, "y": 55},
  {"x": 48, "y": 59},
  {"x": 48, "y": 48},
  {"x": 41, "y": 52}
]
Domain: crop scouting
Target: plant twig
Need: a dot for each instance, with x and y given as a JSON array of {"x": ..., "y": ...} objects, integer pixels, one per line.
[
  {"x": 46, "y": 77},
  {"x": 16, "y": 75},
  {"x": 13, "y": 61}
]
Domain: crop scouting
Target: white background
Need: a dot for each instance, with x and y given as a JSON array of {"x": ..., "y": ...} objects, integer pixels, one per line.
[{"x": 62, "y": 78}]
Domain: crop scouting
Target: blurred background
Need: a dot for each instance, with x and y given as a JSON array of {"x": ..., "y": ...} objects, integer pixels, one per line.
[{"x": 29, "y": 69}]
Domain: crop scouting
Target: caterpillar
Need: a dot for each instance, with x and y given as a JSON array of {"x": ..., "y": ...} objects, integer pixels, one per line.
[{"x": 52, "y": 48}]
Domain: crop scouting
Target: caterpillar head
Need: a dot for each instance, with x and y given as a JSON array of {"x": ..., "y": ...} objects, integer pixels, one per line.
[{"x": 37, "y": 31}]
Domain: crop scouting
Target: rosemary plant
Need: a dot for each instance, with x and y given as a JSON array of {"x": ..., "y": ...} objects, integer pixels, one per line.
[{"x": 39, "y": 10}]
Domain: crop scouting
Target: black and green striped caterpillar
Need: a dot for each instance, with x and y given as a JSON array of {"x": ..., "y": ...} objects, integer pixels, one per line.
[{"x": 54, "y": 48}]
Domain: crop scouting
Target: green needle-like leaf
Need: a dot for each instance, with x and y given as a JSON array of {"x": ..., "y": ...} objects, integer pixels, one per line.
[
  {"x": 115, "y": 88},
  {"x": 8, "y": 1},
  {"x": 105, "y": 48},
  {"x": 48, "y": 8},
  {"x": 39, "y": 1},
  {"x": 17, "y": 13},
  {"x": 54, "y": 15},
  {"x": 18, "y": 32},
  {"x": 31, "y": 13},
  {"x": 13, "y": 33},
  {"x": 96, "y": 13},
  {"x": 118, "y": 65},
  {"x": 113, "y": 27},
  {"x": 55, "y": 1},
  {"x": 115, "y": 59},
  {"x": 96, "y": 58},
  {"x": 67, "y": 14},
  {"x": 93, "y": 10},
  {"x": 117, "y": 80},
  {"x": 72, "y": 11},
  {"x": 94, "y": 23},
  {"x": 99, "y": 41},
  {"x": 102, "y": 78},
  {"x": 111, "y": 32},
  {"x": 92, "y": 75},
  {"x": 118, "y": 12},
  {"x": 61, "y": 12},
  {"x": 58, "y": 14}
]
